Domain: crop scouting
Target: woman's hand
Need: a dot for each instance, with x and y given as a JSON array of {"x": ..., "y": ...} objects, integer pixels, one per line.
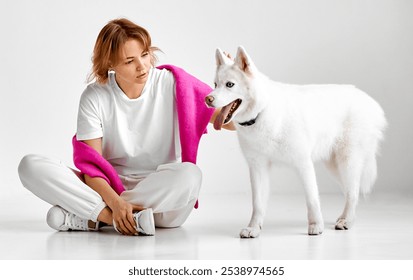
[{"x": 122, "y": 212}]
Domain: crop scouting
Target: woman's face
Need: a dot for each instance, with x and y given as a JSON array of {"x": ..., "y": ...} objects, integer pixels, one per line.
[{"x": 133, "y": 66}]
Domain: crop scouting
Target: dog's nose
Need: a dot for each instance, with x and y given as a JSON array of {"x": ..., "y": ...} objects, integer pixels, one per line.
[{"x": 209, "y": 99}]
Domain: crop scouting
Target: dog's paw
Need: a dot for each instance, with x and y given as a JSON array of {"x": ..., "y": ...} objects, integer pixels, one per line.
[
  {"x": 342, "y": 224},
  {"x": 250, "y": 232},
  {"x": 315, "y": 229}
]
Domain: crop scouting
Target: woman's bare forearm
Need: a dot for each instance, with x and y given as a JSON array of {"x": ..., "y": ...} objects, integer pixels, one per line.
[{"x": 99, "y": 185}]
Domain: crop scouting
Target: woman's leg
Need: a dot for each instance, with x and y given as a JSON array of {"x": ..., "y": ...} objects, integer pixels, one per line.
[
  {"x": 174, "y": 218},
  {"x": 57, "y": 184},
  {"x": 171, "y": 192}
]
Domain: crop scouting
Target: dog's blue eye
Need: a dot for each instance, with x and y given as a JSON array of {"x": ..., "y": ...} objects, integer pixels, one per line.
[{"x": 229, "y": 84}]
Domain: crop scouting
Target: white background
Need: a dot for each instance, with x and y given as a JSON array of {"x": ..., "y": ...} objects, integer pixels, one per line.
[{"x": 46, "y": 49}]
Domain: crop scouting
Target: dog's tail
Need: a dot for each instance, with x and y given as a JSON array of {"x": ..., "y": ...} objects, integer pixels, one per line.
[{"x": 369, "y": 175}]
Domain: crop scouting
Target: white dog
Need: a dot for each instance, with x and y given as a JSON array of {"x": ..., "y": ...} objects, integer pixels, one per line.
[{"x": 298, "y": 125}]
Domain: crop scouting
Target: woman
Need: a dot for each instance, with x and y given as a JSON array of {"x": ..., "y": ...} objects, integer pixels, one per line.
[{"x": 128, "y": 117}]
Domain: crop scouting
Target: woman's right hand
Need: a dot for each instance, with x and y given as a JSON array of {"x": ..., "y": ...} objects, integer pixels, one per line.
[{"x": 122, "y": 212}]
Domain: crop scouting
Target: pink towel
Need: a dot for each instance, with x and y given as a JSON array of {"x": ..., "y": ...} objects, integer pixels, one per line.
[
  {"x": 193, "y": 114},
  {"x": 193, "y": 118},
  {"x": 90, "y": 162}
]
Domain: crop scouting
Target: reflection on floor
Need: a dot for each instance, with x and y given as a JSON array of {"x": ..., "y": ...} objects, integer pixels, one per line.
[{"x": 383, "y": 231}]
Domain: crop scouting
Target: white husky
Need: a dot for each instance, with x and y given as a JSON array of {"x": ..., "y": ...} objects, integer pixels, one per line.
[{"x": 298, "y": 125}]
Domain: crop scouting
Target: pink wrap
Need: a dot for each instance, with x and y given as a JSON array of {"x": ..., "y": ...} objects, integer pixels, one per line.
[
  {"x": 193, "y": 118},
  {"x": 193, "y": 114},
  {"x": 90, "y": 162}
]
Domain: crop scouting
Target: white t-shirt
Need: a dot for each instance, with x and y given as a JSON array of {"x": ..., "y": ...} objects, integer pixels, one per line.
[{"x": 139, "y": 134}]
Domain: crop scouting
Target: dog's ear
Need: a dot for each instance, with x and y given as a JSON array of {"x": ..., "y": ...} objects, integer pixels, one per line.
[
  {"x": 244, "y": 62},
  {"x": 222, "y": 58}
]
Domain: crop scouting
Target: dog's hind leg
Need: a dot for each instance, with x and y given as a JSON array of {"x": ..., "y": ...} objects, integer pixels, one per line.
[
  {"x": 259, "y": 176},
  {"x": 351, "y": 170},
  {"x": 315, "y": 220}
]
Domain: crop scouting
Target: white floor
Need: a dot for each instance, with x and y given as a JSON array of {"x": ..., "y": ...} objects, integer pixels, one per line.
[{"x": 383, "y": 231}]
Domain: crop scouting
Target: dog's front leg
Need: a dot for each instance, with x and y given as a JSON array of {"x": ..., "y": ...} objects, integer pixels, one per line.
[
  {"x": 315, "y": 220},
  {"x": 260, "y": 188}
]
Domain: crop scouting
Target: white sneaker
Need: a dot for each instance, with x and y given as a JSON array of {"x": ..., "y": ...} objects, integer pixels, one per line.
[
  {"x": 145, "y": 224},
  {"x": 62, "y": 220}
]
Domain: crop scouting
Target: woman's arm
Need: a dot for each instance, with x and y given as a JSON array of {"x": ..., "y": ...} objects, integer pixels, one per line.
[{"x": 121, "y": 210}]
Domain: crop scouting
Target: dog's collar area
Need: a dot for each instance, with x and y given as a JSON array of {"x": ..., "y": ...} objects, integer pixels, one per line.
[{"x": 249, "y": 123}]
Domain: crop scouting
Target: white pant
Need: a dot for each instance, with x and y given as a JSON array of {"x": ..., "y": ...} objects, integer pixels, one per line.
[{"x": 171, "y": 191}]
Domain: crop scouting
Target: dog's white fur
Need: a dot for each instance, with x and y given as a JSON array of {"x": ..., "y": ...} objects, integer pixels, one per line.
[{"x": 298, "y": 125}]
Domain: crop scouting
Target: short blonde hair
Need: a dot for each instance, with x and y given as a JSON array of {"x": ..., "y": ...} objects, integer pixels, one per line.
[{"x": 109, "y": 42}]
